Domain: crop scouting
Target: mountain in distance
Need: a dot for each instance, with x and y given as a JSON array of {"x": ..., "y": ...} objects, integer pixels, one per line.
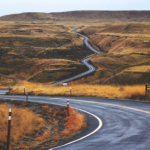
[{"x": 98, "y": 16}]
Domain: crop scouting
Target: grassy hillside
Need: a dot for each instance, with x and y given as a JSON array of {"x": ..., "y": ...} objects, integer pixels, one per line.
[
  {"x": 39, "y": 52},
  {"x": 40, "y": 47},
  {"x": 125, "y": 57},
  {"x": 83, "y": 16}
]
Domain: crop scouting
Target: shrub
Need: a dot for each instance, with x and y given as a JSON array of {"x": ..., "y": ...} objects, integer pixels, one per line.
[
  {"x": 38, "y": 139},
  {"x": 65, "y": 132},
  {"x": 21, "y": 146}
]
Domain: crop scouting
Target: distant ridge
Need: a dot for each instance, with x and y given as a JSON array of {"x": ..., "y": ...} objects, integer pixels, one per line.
[{"x": 102, "y": 16}]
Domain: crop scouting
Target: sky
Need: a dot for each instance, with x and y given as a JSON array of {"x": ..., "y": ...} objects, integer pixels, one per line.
[{"x": 19, "y": 6}]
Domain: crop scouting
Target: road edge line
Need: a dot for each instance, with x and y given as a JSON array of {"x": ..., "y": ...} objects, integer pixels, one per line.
[{"x": 98, "y": 128}]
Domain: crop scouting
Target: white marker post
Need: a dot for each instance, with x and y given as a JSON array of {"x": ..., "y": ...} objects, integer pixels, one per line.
[
  {"x": 64, "y": 84},
  {"x": 70, "y": 91},
  {"x": 9, "y": 125},
  {"x": 24, "y": 90},
  {"x": 27, "y": 96},
  {"x": 67, "y": 108}
]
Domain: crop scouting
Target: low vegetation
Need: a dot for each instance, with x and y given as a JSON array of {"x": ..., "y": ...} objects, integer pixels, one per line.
[
  {"x": 75, "y": 122},
  {"x": 4, "y": 87},
  {"x": 38, "y": 126},
  {"x": 107, "y": 91},
  {"x": 124, "y": 57},
  {"x": 46, "y": 51},
  {"x": 35, "y": 52},
  {"x": 24, "y": 122},
  {"x": 84, "y": 17}
]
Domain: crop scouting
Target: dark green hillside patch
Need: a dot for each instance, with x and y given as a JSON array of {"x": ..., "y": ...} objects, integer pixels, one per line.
[
  {"x": 7, "y": 71},
  {"x": 58, "y": 75},
  {"x": 38, "y": 42},
  {"x": 72, "y": 52},
  {"x": 3, "y": 51},
  {"x": 42, "y": 48},
  {"x": 14, "y": 65}
]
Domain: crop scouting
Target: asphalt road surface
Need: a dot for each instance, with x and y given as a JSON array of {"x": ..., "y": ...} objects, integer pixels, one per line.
[
  {"x": 84, "y": 61},
  {"x": 125, "y": 123},
  {"x": 3, "y": 91},
  {"x": 86, "y": 41}
]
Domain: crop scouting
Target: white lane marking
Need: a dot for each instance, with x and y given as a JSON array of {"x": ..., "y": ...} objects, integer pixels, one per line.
[{"x": 99, "y": 126}]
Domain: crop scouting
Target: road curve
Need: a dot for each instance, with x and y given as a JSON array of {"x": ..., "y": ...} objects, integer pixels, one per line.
[
  {"x": 86, "y": 41},
  {"x": 84, "y": 61},
  {"x": 126, "y": 123}
]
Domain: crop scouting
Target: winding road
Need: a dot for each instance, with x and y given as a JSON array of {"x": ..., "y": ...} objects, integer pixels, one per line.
[
  {"x": 125, "y": 124},
  {"x": 112, "y": 124},
  {"x": 84, "y": 61}
]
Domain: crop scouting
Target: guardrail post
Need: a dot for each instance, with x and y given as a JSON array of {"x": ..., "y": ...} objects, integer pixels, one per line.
[
  {"x": 146, "y": 90},
  {"x": 9, "y": 125},
  {"x": 70, "y": 92},
  {"x": 27, "y": 96},
  {"x": 67, "y": 108},
  {"x": 24, "y": 90}
]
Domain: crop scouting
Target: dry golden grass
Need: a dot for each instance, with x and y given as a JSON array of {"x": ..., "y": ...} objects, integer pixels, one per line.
[
  {"x": 6, "y": 81},
  {"x": 130, "y": 30},
  {"x": 119, "y": 39},
  {"x": 125, "y": 35},
  {"x": 4, "y": 87},
  {"x": 24, "y": 121},
  {"x": 144, "y": 68},
  {"x": 135, "y": 91},
  {"x": 38, "y": 30},
  {"x": 50, "y": 48},
  {"x": 120, "y": 45},
  {"x": 30, "y": 30}
]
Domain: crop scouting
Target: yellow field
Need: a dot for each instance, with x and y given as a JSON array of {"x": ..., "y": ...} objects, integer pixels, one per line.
[
  {"x": 125, "y": 35},
  {"x": 24, "y": 121},
  {"x": 135, "y": 91},
  {"x": 26, "y": 124},
  {"x": 4, "y": 87},
  {"x": 144, "y": 68}
]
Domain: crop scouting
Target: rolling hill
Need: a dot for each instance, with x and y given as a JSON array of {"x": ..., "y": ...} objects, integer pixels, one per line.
[
  {"x": 40, "y": 47},
  {"x": 95, "y": 16}
]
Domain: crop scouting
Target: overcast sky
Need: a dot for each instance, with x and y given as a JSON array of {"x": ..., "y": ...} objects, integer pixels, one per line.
[{"x": 19, "y": 6}]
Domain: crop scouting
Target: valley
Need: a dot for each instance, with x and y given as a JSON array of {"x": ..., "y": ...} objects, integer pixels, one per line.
[{"x": 46, "y": 51}]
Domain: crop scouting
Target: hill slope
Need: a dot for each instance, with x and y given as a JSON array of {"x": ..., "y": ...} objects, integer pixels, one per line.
[{"x": 100, "y": 16}]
